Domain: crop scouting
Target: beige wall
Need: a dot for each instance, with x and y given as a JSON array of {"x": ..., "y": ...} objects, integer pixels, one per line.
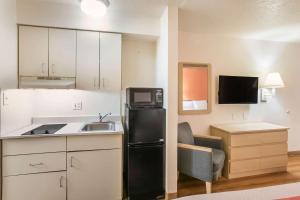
[
  {"x": 8, "y": 44},
  {"x": 229, "y": 56},
  {"x": 138, "y": 62}
]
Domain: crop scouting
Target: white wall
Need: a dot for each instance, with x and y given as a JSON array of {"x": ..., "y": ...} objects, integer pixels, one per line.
[
  {"x": 230, "y": 56},
  {"x": 166, "y": 77},
  {"x": 138, "y": 62},
  {"x": 61, "y": 103},
  {"x": 8, "y": 44},
  {"x": 16, "y": 109},
  {"x": 18, "y": 106},
  {"x": 70, "y": 16}
]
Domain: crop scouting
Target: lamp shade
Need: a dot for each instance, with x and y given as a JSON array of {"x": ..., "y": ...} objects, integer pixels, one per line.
[{"x": 273, "y": 80}]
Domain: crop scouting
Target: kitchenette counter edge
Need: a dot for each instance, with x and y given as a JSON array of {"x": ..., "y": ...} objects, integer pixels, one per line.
[{"x": 71, "y": 129}]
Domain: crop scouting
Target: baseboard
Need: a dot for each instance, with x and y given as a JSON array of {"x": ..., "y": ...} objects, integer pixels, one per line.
[
  {"x": 294, "y": 153},
  {"x": 171, "y": 196}
]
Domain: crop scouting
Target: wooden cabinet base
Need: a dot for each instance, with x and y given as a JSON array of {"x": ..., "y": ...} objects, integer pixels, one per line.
[{"x": 253, "y": 148}]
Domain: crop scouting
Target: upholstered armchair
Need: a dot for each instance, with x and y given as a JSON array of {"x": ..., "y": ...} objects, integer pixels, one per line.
[{"x": 201, "y": 157}]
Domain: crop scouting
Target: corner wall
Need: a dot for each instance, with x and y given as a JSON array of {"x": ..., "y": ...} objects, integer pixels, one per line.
[{"x": 166, "y": 77}]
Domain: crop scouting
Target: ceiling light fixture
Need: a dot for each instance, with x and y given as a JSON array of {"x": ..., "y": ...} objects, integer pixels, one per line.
[{"x": 95, "y": 8}]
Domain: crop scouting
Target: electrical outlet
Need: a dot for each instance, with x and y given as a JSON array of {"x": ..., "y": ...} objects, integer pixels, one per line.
[{"x": 78, "y": 106}]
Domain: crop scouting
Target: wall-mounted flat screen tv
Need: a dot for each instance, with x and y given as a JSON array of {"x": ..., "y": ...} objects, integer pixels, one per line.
[{"x": 238, "y": 90}]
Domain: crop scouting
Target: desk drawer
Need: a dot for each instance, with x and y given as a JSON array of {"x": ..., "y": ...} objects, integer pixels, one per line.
[
  {"x": 34, "y": 163},
  {"x": 258, "y": 164},
  {"x": 273, "y": 162},
  {"x": 244, "y": 165},
  {"x": 94, "y": 142},
  {"x": 258, "y": 138},
  {"x": 240, "y": 153},
  {"x": 34, "y": 145}
]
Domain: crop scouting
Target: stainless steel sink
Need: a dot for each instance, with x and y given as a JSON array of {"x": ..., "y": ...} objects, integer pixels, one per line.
[{"x": 99, "y": 126}]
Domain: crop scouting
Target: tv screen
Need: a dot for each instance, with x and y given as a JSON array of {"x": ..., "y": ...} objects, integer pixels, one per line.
[{"x": 238, "y": 90}]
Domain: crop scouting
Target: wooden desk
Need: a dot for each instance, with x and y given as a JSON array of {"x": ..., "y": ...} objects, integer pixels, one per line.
[{"x": 253, "y": 148}]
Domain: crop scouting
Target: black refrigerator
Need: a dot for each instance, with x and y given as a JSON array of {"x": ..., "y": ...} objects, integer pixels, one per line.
[{"x": 144, "y": 152}]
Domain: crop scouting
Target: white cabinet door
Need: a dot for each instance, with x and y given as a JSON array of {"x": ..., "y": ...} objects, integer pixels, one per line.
[
  {"x": 87, "y": 76},
  {"x": 33, "y": 51},
  {"x": 44, "y": 186},
  {"x": 95, "y": 175},
  {"x": 110, "y": 61},
  {"x": 62, "y": 53}
]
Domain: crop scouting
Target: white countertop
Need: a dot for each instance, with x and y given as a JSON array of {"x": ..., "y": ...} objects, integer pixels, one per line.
[
  {"x": 73, "y": 128},
  {"x": 249, "y": 127}
]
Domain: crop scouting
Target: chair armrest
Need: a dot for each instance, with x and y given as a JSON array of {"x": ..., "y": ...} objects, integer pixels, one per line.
[
  {"x": 208, "y": 137},
  {"x": 209, "y": 141},
  {"x": 195, "y": 161},
  {"x": 194, "y": 147}
]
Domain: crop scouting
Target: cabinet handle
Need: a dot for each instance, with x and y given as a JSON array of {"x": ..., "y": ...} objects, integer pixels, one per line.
[
  {"x": 94, "y": 83},
  {"x": 43, "y": 71},
  {"x": 61, "y": 181},
  {"x": 52, "y": 68},
  {"x": 71, "y": 162},
  {"x": 103, "y": 83},
  {"x": 35, "y": 164}
]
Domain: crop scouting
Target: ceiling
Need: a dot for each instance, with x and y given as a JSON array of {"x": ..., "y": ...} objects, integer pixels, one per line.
[
  {"x": 134, "y": 8},
  {"x": 277, "y": 20}
]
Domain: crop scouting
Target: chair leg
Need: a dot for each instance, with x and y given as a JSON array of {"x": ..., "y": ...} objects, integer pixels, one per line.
[{"x": 208, "y": 187}]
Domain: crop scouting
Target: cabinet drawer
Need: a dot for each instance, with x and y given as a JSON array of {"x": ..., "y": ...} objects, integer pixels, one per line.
[
  {"x": 94, "y": 142},
  {"x": 258, "y": 164},
  {"x": 239, "y": 153},
  {"x": 244, "y": 165},
  {"x": 272, "y": 162},
  {"x": 34, "y": 163},
  {"x": 34, "y": 145},
  {"x": 258, "y": 138}
]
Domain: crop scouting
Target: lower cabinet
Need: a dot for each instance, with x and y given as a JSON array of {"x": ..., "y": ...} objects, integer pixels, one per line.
[
  {"x": 88, "y": 168},
  {"x": 43, "y": 186},
  {"x": 94, "y": 175}
]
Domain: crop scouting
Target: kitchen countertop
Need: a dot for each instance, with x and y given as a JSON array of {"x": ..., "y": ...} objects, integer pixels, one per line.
[{"x": 71, "y": 129}]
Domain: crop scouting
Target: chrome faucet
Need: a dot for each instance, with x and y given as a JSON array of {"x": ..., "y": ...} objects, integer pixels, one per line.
[{"x": 104, "y": 116}]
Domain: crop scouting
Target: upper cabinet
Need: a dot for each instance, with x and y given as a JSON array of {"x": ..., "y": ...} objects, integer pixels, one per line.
[
  {"x": 33, "y": 51},
  {"x": 59, "y": 58},
  {"x": 110, "y": 61},
  {"x": 62, "y": 53},
  {"x": 88, "y": 60}
]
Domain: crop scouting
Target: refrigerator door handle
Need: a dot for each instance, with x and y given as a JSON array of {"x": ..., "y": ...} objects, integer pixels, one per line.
[{"x": 141, "y": 144}]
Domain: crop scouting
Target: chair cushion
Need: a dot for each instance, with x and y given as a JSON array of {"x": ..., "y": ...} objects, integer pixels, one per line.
[
  {"x": 185, "y": 134},
  {"x": 218, "y": 157}
]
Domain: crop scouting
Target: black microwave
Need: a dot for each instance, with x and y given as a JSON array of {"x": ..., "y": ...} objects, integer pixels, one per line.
[{"x": 144, "y": 97}]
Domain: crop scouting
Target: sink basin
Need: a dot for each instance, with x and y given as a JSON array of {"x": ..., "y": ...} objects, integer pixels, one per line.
[{"x": 100, "y": 126}]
